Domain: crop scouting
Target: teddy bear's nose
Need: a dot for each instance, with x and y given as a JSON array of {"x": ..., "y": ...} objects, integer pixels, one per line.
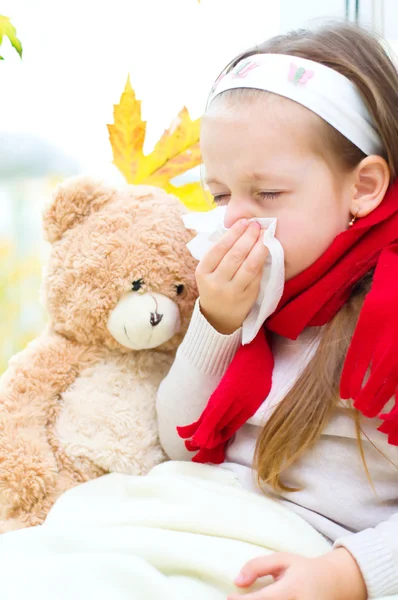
[{"x": 155, "y": 319}]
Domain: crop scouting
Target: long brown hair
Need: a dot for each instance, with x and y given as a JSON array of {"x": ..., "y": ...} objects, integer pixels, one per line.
[{"x": 298, "y": 421}]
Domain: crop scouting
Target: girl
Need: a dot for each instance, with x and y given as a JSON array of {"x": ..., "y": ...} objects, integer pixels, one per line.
[{"x": 303, "y": 128}]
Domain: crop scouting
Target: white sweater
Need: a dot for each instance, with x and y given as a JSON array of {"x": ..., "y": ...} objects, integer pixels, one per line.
[{"x": 335, "y": 497}]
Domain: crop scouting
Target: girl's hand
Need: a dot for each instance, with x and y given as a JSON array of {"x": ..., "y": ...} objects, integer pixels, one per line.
[
  {"x": 229, "y": 276},
  {"x": 333, "y": 576}
]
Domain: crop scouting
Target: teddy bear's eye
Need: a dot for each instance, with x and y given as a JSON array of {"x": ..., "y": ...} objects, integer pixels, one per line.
[
  {"x": 179, "y": 289},
  {"x": 137, "y": 285}
]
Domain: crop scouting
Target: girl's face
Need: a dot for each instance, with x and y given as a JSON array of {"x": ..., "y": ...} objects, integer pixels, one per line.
[{"x": 261, "y": 160}]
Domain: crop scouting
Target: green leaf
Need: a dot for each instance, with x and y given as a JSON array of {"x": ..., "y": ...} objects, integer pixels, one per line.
[{"x": 7, "y": 29}]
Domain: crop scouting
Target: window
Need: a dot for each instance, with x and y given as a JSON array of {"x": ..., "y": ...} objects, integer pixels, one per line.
[{"x": 380, "y": 15}]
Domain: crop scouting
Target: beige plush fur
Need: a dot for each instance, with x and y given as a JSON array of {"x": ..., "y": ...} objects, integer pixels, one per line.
[{"x": 77, "y": 403}]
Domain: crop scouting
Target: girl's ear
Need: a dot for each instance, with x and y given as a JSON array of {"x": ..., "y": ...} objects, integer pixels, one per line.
[
  {"x": 372, "y": 178},
  {"x": 73, "y": 201}
]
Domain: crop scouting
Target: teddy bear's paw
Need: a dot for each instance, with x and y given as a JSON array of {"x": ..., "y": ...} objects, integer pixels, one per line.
[
  {"x": 24, "y": 519},
  {"x": 27, "y": 474},
  {"x": 7, "y": 525}
]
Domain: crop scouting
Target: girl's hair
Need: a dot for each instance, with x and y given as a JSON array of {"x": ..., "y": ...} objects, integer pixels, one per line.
[{"x": 298, "y": 421}]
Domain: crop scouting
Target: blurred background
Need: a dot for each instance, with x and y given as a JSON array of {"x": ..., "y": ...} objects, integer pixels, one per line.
[{"x": 56, "y": 102}]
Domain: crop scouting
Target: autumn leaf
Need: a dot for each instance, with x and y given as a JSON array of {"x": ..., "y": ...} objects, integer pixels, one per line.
[
  {"x": 8, "y": 30},
  {"x": 176, "y": 152},
  {"x": 127, "y": 135},
  {"x": 193, "y": 196}
]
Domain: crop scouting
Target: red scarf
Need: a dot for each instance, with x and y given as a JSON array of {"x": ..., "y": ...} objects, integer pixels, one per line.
[{"x": 313, "y": 298}]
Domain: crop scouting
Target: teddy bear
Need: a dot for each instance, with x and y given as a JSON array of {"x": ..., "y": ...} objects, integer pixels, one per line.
[{"x": 79, "y": 401}]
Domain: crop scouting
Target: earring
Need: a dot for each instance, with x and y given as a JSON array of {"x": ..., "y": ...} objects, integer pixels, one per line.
[{"x": 354, "y": 218}]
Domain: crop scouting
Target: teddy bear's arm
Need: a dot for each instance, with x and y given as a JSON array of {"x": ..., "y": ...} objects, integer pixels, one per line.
[
  {"x": 36, "y": 376},
  {"x": 29, "y": 393}
]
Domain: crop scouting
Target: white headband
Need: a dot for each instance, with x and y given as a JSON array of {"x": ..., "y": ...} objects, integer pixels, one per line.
[{"x": 321, "y": 89}]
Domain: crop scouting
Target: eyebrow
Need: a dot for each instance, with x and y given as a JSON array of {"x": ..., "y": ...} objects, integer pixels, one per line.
[{"x": 257, "y": 176}]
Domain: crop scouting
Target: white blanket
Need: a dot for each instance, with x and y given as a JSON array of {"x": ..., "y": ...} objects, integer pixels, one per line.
[{"x": 183, "y": 531}]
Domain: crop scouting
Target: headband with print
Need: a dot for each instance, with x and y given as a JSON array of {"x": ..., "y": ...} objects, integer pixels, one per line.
[{"x": 323, "y": 90}]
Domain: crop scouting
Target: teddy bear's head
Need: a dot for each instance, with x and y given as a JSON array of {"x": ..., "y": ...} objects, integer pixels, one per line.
[{"x": 119, "y": 274}]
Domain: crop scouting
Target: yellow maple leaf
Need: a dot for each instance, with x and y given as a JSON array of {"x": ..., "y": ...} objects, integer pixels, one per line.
[
  {"x": 127, "y": 135},
  {"x": 176, "y": 152},
  {"x": 193, "y": 196},
  {"x": 7, "y": 29}
]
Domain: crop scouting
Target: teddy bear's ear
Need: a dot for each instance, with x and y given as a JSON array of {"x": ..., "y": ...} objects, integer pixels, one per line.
[{"x": 72, "y": 202}]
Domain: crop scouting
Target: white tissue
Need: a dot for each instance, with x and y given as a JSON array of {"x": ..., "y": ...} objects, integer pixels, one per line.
[{"x": 210, "y": 228}]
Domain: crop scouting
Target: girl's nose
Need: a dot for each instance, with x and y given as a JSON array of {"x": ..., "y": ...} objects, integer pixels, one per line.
[{"x": 237, "y": 209}]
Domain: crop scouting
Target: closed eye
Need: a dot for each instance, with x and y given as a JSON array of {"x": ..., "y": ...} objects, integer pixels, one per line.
[
  {"x": 270, "y": 195},
  {"x": 222, "y": 198}
]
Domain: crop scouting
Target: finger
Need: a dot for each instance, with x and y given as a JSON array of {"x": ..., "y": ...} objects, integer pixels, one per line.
[
  {"x": 212, "y": 259},
  {"x": 274, "y": 591},
  {"x": 253, "y": 288},
  {"x": 253, "y": 266},
  {"x": 274, "y": 565},
  {"x": 234, "y": 258}
]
